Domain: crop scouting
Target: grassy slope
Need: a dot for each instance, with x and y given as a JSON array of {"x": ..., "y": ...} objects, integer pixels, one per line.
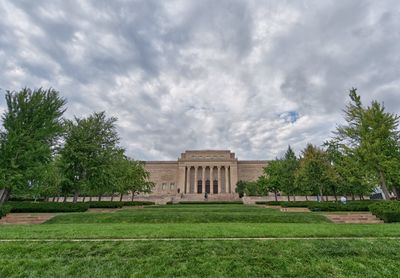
[
  {"x": 316, "y": 258},
  {"x": 192, "y": 214},
  {"x": 201, "y": 230}
]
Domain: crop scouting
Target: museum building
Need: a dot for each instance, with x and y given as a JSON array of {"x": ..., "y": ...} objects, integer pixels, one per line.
[{"x": 201, "y": 171}]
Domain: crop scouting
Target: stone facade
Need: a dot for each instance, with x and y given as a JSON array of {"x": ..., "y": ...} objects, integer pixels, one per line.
[{"x": 196, "y": 172}]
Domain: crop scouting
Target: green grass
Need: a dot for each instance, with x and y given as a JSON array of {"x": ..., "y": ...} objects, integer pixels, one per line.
[
  {"x": 200, "y": 230},
  {"x": 369, "y": 253},
  {"x": 291, "y": 258},
  {"x": 193, "y": 214}
]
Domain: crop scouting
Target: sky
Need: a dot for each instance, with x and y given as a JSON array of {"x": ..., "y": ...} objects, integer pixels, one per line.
[{"x": 249, "y": 76}]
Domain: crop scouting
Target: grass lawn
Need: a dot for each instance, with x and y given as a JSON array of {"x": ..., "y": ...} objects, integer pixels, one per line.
[
  {"x": 369, "y": 253},
  {"x": 193, "y": 214},
  {"x": 316, "y": 258}
]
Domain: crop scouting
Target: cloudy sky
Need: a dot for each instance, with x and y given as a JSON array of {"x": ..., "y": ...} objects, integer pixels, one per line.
[{"x": 250, "y": 76}]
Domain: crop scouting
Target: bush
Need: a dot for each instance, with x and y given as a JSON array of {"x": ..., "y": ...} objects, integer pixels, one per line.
[
  {"x": 104, "y": 204},
  {"x": 47, "y": 207},
  {"x": 324, "y": 206},
  {"x": 212, "y": 203},
  {"x": 269, "y": 203},
  {"x": 4, "y": 210},
  {"x": 388, "y": 211},
  {"x": 138, "y": 203}
]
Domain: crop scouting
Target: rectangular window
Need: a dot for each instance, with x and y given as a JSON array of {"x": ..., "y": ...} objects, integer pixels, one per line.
[
  {"x": 172, "y": 186},
  {"x": 164, "y": 186}
]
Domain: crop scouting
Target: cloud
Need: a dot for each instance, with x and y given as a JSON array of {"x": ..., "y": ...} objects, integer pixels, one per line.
[{"x": 250, "y": 76}]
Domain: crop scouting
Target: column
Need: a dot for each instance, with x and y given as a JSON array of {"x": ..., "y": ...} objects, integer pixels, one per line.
[
  {"x": 203, "y": 180},
  {"x": 211, "y": 180},
  {"x": 226, "y": 179},
  {"x": 187, "y": 179},
  {"x": 234, "y": 177},
  {"x": 195, "y": 179},
  {"x": 219, "y": 179}
]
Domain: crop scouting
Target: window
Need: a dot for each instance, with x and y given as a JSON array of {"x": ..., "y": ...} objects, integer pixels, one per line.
[
  {"x": 164, "y": 186},
  {"x": 172, "y": 186}
]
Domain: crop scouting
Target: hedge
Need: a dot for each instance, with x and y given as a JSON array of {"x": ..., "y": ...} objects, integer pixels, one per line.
[
  {"x": 138, "y": 203},
  {"x": 4, "y": 210},
  {"x": 324, "y": 206},
  {"x": 47, "y": 207},
  {"x": 388, "y": 211},
  {"x": 211, "y": 203}
]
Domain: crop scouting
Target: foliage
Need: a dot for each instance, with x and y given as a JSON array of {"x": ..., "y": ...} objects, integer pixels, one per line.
[
  {"x": 387, "y": 211},
  {"x": 240, "y": 187},
  {"x": 315, "y": 174},
  {"x": 4, "y": 210},
  {"x": 289, "y": 165},
  {"x": 32, "y": 125},
  {"x": 372, "y": 137},
  {"x": 272, "y": 177},
  {"x": 47, "y": 207},
  {"x": 88, "y": 154}
]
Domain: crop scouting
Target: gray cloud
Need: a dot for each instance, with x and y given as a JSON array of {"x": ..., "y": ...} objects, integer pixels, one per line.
[{"x": 250, "y": 76}]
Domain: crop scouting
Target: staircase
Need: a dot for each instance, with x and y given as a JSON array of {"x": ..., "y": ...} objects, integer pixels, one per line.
[
  {"x": 354, "y": 218},
  {"x": 26, "y": 218}
]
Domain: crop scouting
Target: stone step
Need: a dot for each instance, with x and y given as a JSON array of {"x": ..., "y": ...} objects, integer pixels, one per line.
[
  {"x": 26, "y": 218},
  {"x": 355, "y": 218}
]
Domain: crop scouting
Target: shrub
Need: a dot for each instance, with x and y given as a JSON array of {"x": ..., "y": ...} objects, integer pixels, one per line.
[
  {"x": 387, "y": 211},
  {"x": 212, "y": 203},
  {"x": 47, "y": 207},
  {"x": 4, "y": 210},
  {"x": 269, "y": 203},
  {"x": 324, "y": 206},
  {"x": 105, "y": 204},
  {"x": 138, "y": 203}
]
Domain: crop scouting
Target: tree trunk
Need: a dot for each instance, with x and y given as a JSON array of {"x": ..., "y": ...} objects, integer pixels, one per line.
[
  {"x": 321, "y": 194},
  {"x": 360, "y": 198},
  {"x": 294, "y": 198},
  {"x": 353, "y": 197},
  {"x": 306, "y": 198},
  {"x": 335, "y": 197},
  {"x": 90, "y": 198},
  {"x": 54, "y": 199},
  {"x": 58, "y": 199},
  {"x": 120, "y": 198},
  {"x": 133, "y": 195},
  {"x": 112, "y": 197},
  {"x": 100, "y": 198},
  {"x": 327, "y": 198},
  {"x": 65, "y": 198},
  {"x": 383, "y": 186},
  {"x": 276, "y": 196},
  {"x": 288, "y": 198},
  {"x": 76, "y": 195},
  {"x": 4, "y": 194},
  {"x": 84, "y": 198}
]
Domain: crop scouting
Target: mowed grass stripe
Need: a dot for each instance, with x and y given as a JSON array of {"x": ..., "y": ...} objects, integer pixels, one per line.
[
  {"x": 283, "y": 258},
  {"x": 199, "y": 230},
  {"x": 198, "y": 239},
  {"x": 192, "y": 214}
]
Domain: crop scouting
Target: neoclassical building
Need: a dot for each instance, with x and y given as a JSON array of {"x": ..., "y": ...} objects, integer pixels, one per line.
[{"x": 200, "y": 171}]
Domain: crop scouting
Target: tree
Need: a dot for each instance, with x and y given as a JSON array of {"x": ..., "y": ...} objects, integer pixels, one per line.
[
  {"x": 289, "y": 165},
  {"x": 130, "y": 176},
  {"x": 240, "y": 188},
  {"x": 315, "y": 173},
  {"x": 372, "y": 136},
  {"x": 32, "y": 126},
  {"x": 272, "y": 176},
  {"x": 91, "y": 146}
]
